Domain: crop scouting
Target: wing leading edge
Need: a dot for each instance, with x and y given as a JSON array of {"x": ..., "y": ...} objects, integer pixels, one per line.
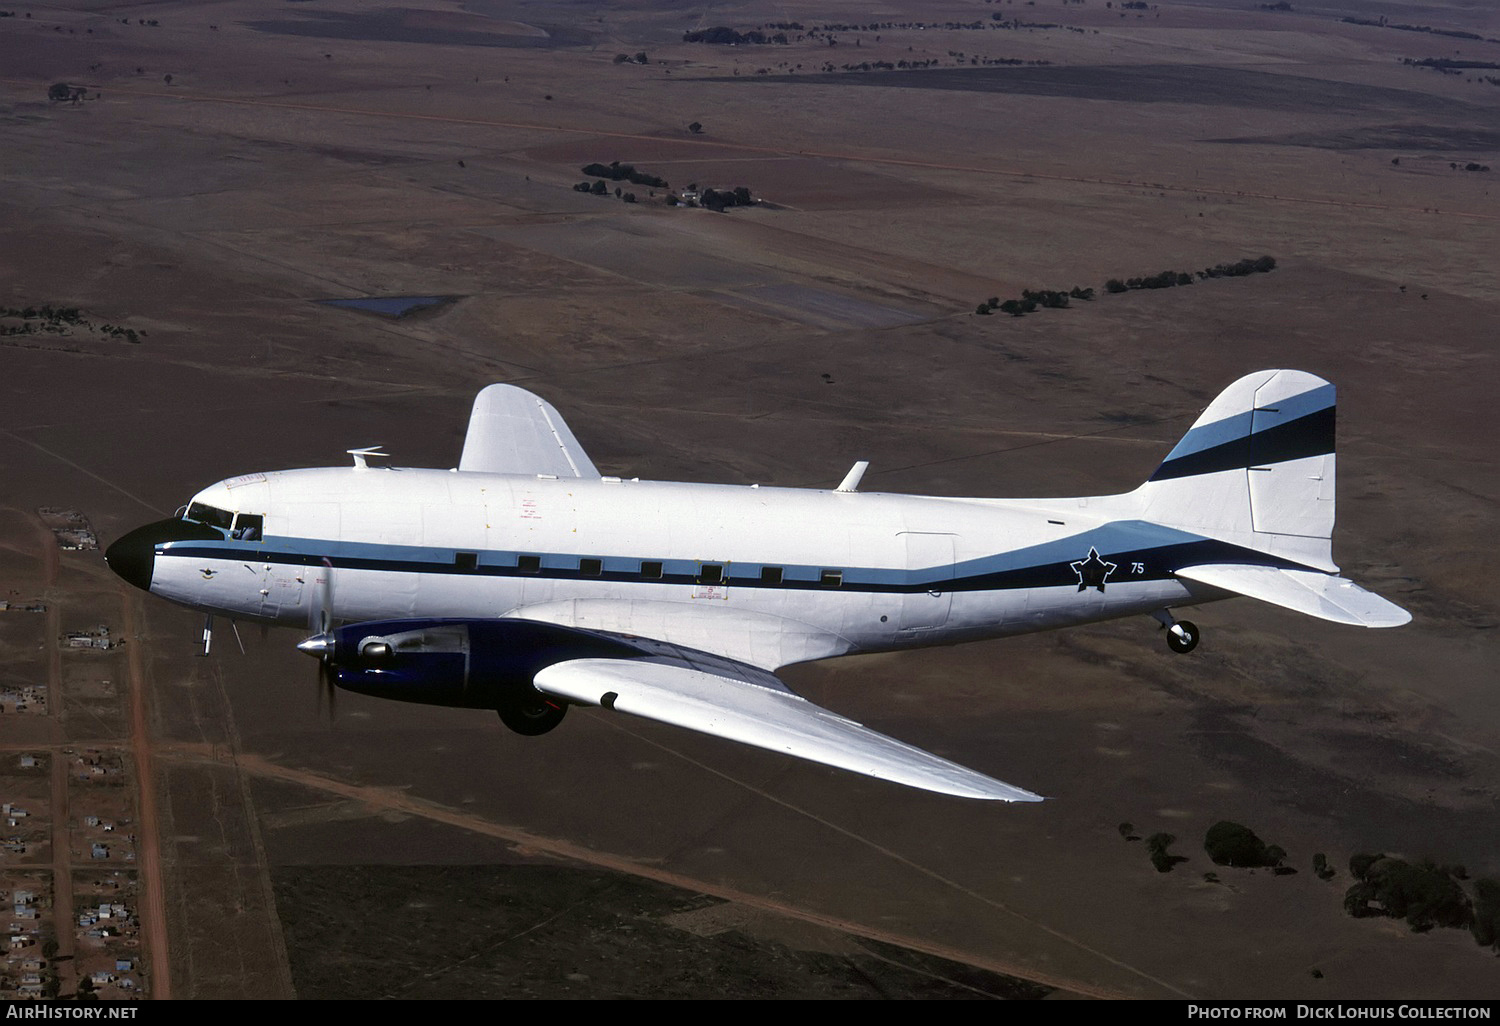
[
  {"x": 740, "y": 709},
  {"x": 512, "y": 431}
]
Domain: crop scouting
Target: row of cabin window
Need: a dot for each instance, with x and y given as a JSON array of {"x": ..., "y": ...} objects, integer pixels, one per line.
[{"x": 651, "y": 570}]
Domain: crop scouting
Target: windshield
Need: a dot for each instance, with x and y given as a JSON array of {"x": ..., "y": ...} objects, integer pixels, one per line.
[
  {"x": 240, "y": 526},
  {"x": 210, "y": 515}
]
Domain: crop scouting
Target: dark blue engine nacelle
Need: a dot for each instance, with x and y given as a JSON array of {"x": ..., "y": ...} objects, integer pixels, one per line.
[{"x": 474, "y": 664}]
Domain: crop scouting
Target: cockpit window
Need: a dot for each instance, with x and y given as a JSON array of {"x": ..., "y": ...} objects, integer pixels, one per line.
[
  {"x": 210, "y": 515},
  {"x": 247, "y": 527}
]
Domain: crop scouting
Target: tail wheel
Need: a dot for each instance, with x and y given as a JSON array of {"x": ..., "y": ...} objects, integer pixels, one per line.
[
  {"x": 533, "y": 714},
  {"x": 1183, "y": 636}
]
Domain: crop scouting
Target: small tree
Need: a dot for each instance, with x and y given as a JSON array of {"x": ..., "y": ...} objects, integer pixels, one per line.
[
  {"x": 59, "y": 91},
  {"x": 1156, "y": 847},
  {"x": 695, "y": 128}
]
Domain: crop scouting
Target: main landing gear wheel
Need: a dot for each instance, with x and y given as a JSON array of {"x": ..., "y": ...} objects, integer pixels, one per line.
[
  {"x": 533, "y": 714},
  {"x": 1183, "y": 636}
]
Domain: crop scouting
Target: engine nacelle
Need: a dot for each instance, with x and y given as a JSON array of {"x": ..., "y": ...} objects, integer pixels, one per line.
[{"x": 473, "y": 664}]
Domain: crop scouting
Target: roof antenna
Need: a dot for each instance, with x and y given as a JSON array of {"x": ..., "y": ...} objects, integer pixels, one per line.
[
  {"x": 360, "y": 455},
  {"x": 852, "y": 479}
]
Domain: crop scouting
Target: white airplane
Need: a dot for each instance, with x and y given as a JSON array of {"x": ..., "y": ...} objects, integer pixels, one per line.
[{"x": 525, "y": 581}]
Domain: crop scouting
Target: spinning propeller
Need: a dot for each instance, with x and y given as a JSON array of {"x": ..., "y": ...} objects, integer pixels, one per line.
[{"x": 320, "y": 641}]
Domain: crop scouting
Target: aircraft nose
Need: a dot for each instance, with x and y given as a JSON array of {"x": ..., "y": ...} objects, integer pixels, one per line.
[{"x": 133, "y": 556}]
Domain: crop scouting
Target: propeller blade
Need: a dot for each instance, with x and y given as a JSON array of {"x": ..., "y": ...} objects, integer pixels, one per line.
[{"x": 320, "y": 642}]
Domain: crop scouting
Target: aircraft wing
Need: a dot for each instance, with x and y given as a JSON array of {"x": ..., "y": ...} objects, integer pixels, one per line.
[
  {"x": 750, "y": 706},
  {"x": 762, "y": 640},
  {"x": 512, "y": 431},
  {"x": 1325, "y": 596}
]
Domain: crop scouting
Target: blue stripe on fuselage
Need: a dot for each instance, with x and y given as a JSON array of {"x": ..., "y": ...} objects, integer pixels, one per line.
[{"x": 1141, "y": 552}]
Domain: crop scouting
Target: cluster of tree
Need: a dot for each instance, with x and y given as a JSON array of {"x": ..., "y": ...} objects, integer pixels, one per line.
[
  {"x": 830, "y": 68},
  {"x": 1487, "y": 914},
  {"x": 719, "y": 35},
  {"x": 1133, "y": 5},
  {"x": 719, "y": 200},
  {"x": 61, "y": 92},
  {"x": 1282, "y": 6},
  {"x": 1043, "y": 25},
  {"x": 598, "y": 188},
  {"x": 152, "y": 22},
  {"x": 1230, "y": 844},
  {"x": 1453, "y": 33},
  {"x": 1031, "y": 299},
  {"x": 58, "y": 320},
  {"x": 617, "y": 172},
  {"x": 1470, "y": 166},
  {"x": 625, "y": 58},
  {"x": 1240, "y": 268},
  {"x": 1169, "y": 279},
  {"x": 1014, "y": 62},
  {"x": 1425, "y": 895},
  {"x": 885, "y": 26},
  {"x": 1446, "y": 63},
  {"x": 1017, "y": 24},
  {"x": 1164, "y": 280}
]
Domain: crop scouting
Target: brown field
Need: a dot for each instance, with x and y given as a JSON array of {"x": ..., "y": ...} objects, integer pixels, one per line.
[{"x": 342, "y": 149}]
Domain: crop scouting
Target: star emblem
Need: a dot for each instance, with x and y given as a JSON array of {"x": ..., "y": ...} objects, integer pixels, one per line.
[{"x": 1092, "y": 571}]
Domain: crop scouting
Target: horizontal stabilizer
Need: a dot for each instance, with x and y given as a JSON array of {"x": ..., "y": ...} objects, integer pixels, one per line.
[
  {"x": 755, "y": 714},
  {"x": 1325, "y": 596}
]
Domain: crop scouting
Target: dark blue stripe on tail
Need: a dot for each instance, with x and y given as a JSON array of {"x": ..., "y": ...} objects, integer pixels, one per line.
[{"x": 1311, "y": 435}]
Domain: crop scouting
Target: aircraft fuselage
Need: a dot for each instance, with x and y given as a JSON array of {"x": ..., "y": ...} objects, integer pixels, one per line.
[{"x": 862, "y": 571}]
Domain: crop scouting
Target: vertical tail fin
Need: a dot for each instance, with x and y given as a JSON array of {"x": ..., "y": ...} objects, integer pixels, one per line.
[{"x": 1257, "y": 468}]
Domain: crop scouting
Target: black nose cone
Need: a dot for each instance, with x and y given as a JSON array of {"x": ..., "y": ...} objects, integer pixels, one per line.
[{"x": 133, "y": 557}]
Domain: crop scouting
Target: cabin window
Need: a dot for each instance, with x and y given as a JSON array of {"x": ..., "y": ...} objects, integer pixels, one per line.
[
  {"x": 710, "y": 573},
  {"x": 529, "y": 564},
  {"x": 591, "y": 567},
  {"x": 651, "y": 570},
  {"x": 466, "y": 560},
  {"x": 248, "y": 527},
  {"x": 770, "y": 575},
  {"x": 831, "y": 578},
  {"x": 210, "y": 515}
]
